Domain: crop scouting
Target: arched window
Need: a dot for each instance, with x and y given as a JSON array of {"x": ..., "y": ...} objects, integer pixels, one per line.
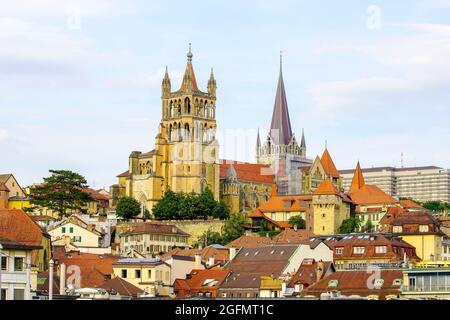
[
  {"x": 171, "y": 109},
  {"x": 179, "y": 131},
  {"x": 205, "y": 110},
  {"x": 170, "y": 132},
  {"x": 187, "y": 132},
  {"x": 187, "y": 105}
]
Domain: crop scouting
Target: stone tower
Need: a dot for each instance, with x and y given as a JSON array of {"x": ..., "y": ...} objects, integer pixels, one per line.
[
  {"x": 231, "y": 190},
  {"x": 186, "y": 154},
  {"x": 188, "y": 128},
  {"x": 280, "y": 148}
]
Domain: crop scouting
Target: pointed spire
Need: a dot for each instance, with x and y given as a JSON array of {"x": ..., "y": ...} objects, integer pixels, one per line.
[
  {"x": 231, "y": 173},
  {"x": 358, "y": 180},
  {"x": 280, "y": 128},
  {"x": 258, "y": 141},
  {"x": 303, "y": 142},
  {"x": 212, "y": 84},
  {"x": 189, "y": 81},
  {"x": 328, "y": 164}
]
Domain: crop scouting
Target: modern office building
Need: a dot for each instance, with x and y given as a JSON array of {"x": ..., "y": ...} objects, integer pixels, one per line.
[{"x": 428, "y": 183}]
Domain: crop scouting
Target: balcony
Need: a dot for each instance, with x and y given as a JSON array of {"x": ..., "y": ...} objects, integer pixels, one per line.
[{"x": 427, "y": 289}]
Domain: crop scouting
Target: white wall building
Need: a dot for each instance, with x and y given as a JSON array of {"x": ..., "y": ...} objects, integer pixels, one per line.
[{"x": 428, "y": 183}]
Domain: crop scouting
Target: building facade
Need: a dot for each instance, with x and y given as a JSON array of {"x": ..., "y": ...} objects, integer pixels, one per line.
[{"x": 428, "y": 183}]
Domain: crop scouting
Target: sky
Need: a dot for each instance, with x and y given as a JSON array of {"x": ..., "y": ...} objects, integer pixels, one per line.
[{"x": 81, "y": 80}]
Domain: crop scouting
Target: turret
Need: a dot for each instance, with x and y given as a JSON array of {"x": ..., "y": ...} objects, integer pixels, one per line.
[
  {"x": 166, "y": 86},
  {"x": 212, "y": 87}
]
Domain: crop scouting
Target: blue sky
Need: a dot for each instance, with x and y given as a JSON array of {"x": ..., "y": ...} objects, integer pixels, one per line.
[{"x": 81, "y": 92}]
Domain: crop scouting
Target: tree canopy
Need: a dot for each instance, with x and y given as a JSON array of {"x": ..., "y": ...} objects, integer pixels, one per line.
[
  {"x": 437, "y": 206},
  {"x": 180, "y": 205},
  {"x": 297, "y": 221},
  {"x": 128, "y": 208},
  {"x": 233, "y": 229},
  {"x": 62, "y": 192},
  {"x": 349, "y": 225}
]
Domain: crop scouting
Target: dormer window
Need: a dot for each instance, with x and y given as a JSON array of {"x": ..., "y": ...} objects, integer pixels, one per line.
[
  {"x": 424, "y": 228},
  {"x": 397, "y": 229},
  {"x": 339, "y": 250},
  {"x": 380, "y": 249},
  {"x": 359, "y": 250}
]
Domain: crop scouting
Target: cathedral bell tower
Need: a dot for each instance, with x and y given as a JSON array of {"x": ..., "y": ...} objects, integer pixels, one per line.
[{"x": 187, "y": 139}]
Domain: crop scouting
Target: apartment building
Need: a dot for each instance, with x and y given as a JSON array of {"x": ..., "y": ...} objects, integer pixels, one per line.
[{"x": 428, "y": 183}]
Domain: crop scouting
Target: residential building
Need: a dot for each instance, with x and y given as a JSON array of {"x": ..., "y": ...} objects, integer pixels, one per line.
[
  {"x": 361, "y": 251},
  {"x": 210, "y": 256},
  {"x": 429, "y": 282},
  {"x": 80, "y": 232},
  {"x": 18, "y": 278},
  {"x": 426, "y": 183},
  {"x": 371, "y": 202},
  {"x": 309, "y": 272},
  {"x": 377, "y": 284},
  {"x": 15, "y": 195},
  {"x": 151, "y": 239},
  {"x": 180, "y": 266},
  {"x": 152, "y": 275},
  {"x": 18, "y": 226},
  {"x": 420, "y": 230},
  {"x": 200, "y": 283}
]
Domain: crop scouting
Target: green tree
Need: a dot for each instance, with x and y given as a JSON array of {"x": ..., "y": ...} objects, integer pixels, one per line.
[
  {"x": 209, "y": 237},
  {"x": 368, "y": 226},
  {"x": 168, "y": 207},
  {"x": 128, "y": 208},
  {"x": 234, "y": 226},
  {"x": 349, "y": 225},
  {"x": 436, "y": 206},
  {"x": 297, "y": 221},
  {"x": 62, "y": 193}
]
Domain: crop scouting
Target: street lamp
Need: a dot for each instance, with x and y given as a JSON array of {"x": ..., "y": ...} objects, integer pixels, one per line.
[
  {"x": 1, "y": 266},
  {"x": 50, "y": 279}
]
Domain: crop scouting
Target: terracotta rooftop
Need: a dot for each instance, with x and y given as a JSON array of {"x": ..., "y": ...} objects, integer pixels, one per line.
[
  {"x": 409, "y": 204},
  {"x": 205, "y": 253},
  {"x": 328, "y": 164},
  {"x": 202, "y": 279},
  {"x": 292, "y": 236},
  {"x": 248, "y": 172},
  {"x": 307, "y": 272},
  {"x": 358, "y": 179},
  {"x": 18, "y": 226},
  {"x": 122, "y": 287},
  {"x": 327, "y": 187},
  {"x": 356, "y": 283},
  {"x": 249, "y": 242},
  {"x": 124, "y": 174},
  {"x": 371, "y": 194},
  {"x": 95, "y": 194},
  {"x": 286, "y": 203}
]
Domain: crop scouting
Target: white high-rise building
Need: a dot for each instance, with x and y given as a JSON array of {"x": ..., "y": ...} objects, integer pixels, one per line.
[{"x": 429, "y": 183}]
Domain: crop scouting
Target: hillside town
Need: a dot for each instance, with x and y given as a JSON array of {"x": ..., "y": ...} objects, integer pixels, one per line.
[{"x": 177, "y": 225}]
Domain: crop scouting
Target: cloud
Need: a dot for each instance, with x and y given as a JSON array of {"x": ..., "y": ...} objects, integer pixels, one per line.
[{"x": 414, "y": 63}]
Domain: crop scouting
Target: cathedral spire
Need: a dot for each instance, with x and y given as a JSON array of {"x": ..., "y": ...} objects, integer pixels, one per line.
[
  {"x": 303, "y": 142},
  {"x": 258, "y": 141},
  {"x": 166, "y": 86},
  {"x": 280, "y": 128},
  {"x": 358, "y": 180},
  {"x": 189, "y": 81},
  {"x": 212, "y": 87}
]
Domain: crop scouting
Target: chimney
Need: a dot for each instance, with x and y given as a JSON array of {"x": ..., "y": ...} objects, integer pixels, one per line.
[
  {"x": 62, "y": 279},
  {"x": 295, "y": 227},
  {"x": 232, "y": 253},
  {"x": 198, "y": 261},
  {"x": 211, "y": 261}
]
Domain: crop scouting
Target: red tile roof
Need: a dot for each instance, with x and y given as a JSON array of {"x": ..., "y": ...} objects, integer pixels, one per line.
[
  {"x": 358, "y": 179},
  {"x": 201, "y": 280},
  {"x": 206, "y": 253},
  {"x": 95, "y": 194},
  {"x": 327, "y": 187},
  {"x": 122, "y": 287},
  {"x": 249, "y": 242},
  {"x": 371, "y": 194},
  {"x": 308, "y": 271},
  {"x": 409, "y": 204},
  {"x": 292, "y": 236},
  {"x": 286, "y": 203},
  {"x": 248, "y": 172},
  {"x": 18, "y": 226},
  {"x": 356, "y": 283},
  {"x": 328, "y": 164}
]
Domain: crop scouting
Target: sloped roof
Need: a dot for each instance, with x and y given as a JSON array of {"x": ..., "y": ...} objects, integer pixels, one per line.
[
  {"x": 95, "y": 194},
  {"x": 358, "y": 179},
  {"x": 199, "y": 279},
  {"x": 122, "y": 287},
  {"x": 355, "y": 283},
  {"x": 328, "y": 164},
  {"x": 409, "y": 204},
  {"x": 371, "y": 194},
  {"x": 4, "y": 177},
  {"x": 292, "y": 236},
  {"x": 248, "y": 172},
  {"x": 286, "y": 203},
  {"x": 249, "y": 242},
  {"x": 280, "y": 127},
  {"x": 189, "y": 76},
  {"x": 3, "y": 187},
  {"x": 327, "y": 187},
  {"x": 307, "y": 273},
  {"x": 205, "y": 253},
  {"x": 18, "y": 226},
  {"x": 124, "y": 174}
]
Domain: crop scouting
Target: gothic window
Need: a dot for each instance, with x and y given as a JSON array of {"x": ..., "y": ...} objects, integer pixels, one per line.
[
  {"x": 187, "y": 105},
  {"x": 171, "y": 109},
  {"x": 206, "y": 110},
  {"x": 186, "y": 132}
]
